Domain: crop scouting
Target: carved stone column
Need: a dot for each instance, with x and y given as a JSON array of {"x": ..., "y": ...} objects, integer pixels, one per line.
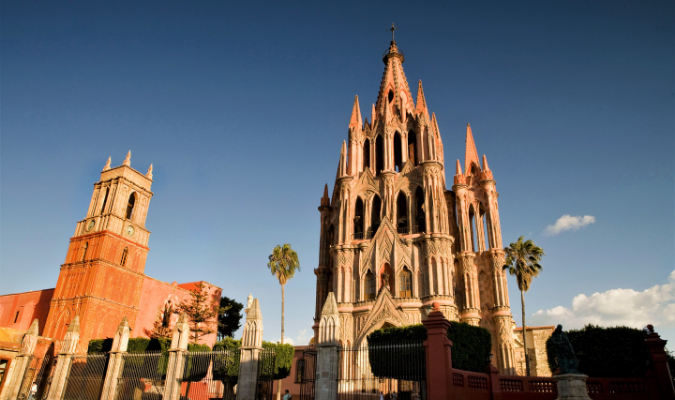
[
  {"x": 251, "y": 344},
  {"x": 327, "y": 362},
  {"x": 21, "y": 363},
  {"x": 471, "y": 311},
  {"x": 115, "y": 363},
  {"x": 64, "y": 360},
  {"x": 503, "y": 325},
  {"x": 177, "y": 352}
]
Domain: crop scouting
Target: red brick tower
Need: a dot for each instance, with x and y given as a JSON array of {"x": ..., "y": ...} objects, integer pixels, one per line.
[{"x": 102, "y": 276}]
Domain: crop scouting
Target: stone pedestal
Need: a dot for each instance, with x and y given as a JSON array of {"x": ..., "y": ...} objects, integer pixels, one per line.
[{"x": 572, "y": 387}]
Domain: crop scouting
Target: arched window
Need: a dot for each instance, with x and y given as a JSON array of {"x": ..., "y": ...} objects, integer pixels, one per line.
[
  {"x": 299, "y": 370},
  {"x": 398, "y": 152},
  {"x": 366, "y": 154},
  {"x": 375, "y": 210},
  {"x": 387, "y": 277},
  {"x": 390, "y": 96},
  {"x": 105, "y": 201},
  {"x": 84, "y": 253},
  {"x": 369, "y": 292},
  {"x": 379, "y": 154},
  {"x": 486, "y": 228},
  {"x": 402, "y": 213},
  {"x": 130, "y": 205},
  {"x": 474, "y": 232},
  {"x": 123, "y": 260},
  {"x": 358, "y": 219},
  {"x": 412, "y": 143},
  {"x": 420, "y": 217},
  {"x": 405, "y": 283}
]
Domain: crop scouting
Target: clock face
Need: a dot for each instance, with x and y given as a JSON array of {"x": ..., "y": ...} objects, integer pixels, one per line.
[
  {"x": 90, "y": 225},
  {"x": 130, "y": 230}
]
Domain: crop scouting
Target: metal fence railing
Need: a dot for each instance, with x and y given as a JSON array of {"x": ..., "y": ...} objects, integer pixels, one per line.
[
  {"x": 142, "y": 376},
  {"x": 210, "y": 375},
  {"x": 36, "y": 380},
  {"x": 265, "y": 381},
  {"x": 86, "y": 376},
  {"x": 398, "y": 371}
]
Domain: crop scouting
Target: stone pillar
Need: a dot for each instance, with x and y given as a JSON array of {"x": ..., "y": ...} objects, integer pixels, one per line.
[
  {"x": 439, "y": 355},
  {"x": 470, "y": 312},
  {"x": 327, "y": 362},
  {"x": 572, "y": 387},
  {"x": 115, "y": 363},
  {"x": 251, "y": 344},
  {"x": 177, "y": 352},
  {"x": 659, "y": 365},
  {"x": 64, "y": 360},
  {"x": 21, "y": 363}
]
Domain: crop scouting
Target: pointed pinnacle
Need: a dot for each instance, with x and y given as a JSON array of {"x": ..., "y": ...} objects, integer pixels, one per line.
[
  {"x": 470, "y": 154},
  {"x": 485, "y": 164},
  {"x": 373, "y": 114},
  {"x": 74, "y": 325},
  {"x": 421, "y": 101},
  {"x": 34, "y": 328},
  {"x": 107, "y": 164},
  {"x": 325, "y": 191},
  {"x": 127, "y": 161},
  {"x": 344, "y": 147},
  {"x": 458, "y": 170},
  {"x": 149, "y": 174},
  {"x": 355, "y": 120}
]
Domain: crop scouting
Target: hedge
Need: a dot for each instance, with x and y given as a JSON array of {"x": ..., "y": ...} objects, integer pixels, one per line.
[
  {"x": 618, "y": 352},
  {"x": 405, "y": 362},
  {"x": 226, "y": 367},
  {"x": 471, "y": 347},
  {"x": 283, "y": 359},
  {"x": 279, "y": 368}
]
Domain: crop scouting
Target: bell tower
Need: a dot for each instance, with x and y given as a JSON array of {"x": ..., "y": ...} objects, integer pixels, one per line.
[{"x": 101, "y": 278}]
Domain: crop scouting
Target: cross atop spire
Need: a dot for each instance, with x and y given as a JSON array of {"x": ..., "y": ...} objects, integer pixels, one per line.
[{"x": 392, "y": 29}]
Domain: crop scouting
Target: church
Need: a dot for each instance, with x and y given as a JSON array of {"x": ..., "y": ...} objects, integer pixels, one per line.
[{"x": 394, "y": 240}]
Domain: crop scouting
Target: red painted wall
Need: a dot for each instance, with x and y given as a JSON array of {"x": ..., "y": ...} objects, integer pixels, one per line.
[{"x": 30, "y": 305}]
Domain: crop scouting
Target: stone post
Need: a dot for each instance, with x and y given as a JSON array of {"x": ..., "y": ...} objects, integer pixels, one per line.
[
  {"x": 327, "y": 361},
  {"x": 659, "y": 365},
  {"x": 439, "y": 355},
  {"x": 115, "y": 363},
  {"x": 251, "y": 344},
  {"x": 64, "y": 360},
  {"x": 21, "y": 363},
  {"x": 572, "y": 387},
  {"x": 177, "y": 352}
]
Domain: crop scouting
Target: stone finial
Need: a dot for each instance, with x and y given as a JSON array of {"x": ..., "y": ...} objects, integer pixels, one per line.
[
  {"x": 181, "y": 333},
  {"x": 356, "y": 121},
  {"x": 121, "y": 339},
  {"x": 325, "y": 200},
  {"x": 34, "y": 328},
  {"x": 373, "y": 115},
  {"x": 253, "y": 328},
  {"x": 149, "y": 174},
  {"x": 470, "y": 154},
  {"x": 460, "y": 179},
  {"x": 107, "y": 165},
  {"x": 72, "y": 336},
  {"x": 486, "y": 174},
  {"x": 127, "y": 161},
  {"x": 343, "y": 160},
  {"x": 421, "y": 101},
  {"x": 329, "y": 325}
]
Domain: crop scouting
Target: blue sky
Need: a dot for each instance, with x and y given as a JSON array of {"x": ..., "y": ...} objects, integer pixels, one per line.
[{"x": 242, "y": 108}]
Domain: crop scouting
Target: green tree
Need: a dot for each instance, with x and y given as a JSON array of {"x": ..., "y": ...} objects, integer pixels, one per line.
[
  {"x": 162, "y": 326},
  {"x": 201, "y": 310},
  {"x": 522, "y": 261},
  {"x": 283, "y": 262},
  {"x": 229, "y": 317}
]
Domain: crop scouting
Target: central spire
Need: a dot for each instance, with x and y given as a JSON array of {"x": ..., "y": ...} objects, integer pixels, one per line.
[{"x": 394, "y": 88}]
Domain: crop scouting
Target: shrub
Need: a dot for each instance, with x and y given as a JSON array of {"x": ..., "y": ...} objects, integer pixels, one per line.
[
  {"x": 283, "y": 359},
  {"x": 226, "y": 367},
  {"x": 387, "y": 360},
  {"x": 618, "y": 352},
  {"x": 471, "y": 346}
]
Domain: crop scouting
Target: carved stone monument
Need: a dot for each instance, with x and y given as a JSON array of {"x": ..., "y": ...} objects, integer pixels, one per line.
[{"x": 571, "y": 383}]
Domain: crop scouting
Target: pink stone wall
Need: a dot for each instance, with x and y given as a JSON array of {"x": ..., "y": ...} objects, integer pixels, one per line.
[{"x": 29, "y": 305}]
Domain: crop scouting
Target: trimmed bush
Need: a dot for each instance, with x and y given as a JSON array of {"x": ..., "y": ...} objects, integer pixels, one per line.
[
  {"x": 471, "y": 346},
  {"x": 226, "y": 367},
  {"x": 618, "y": 352},
  {"x": 408, "y": 361},
  {"x": 283, "y": 359}
]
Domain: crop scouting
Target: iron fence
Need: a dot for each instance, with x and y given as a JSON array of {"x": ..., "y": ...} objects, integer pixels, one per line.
[
  {"x": 210, "y": 375},
  {"x": 35, "y": 384},
  {"x": 265, "y": 382},
  {"x": 398, "y": 371},
  {"x": 142, "y": 376},
  {"x": 308, "y": 374},
  {"x": 86, "y": 376}
]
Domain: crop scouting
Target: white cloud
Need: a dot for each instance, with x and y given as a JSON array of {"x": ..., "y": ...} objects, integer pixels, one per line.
[
  {"x": 567, "y": 222},
  {"x": 302, "y": 338},
  {"x": 629, "y": 307},
  {"x": 287, "y": 340}
]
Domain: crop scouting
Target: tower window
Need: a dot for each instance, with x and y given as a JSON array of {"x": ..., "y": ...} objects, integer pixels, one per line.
[
  {"x": 123, "y": 260},
  {"x": 402, "y": 213},
  {"x": 130, "y": 205},
  {"x": 379, "y": 154},
  {"x": 412, "y": 141},
  {"x": 366, "y": 154},
  {"x": 16, "y": 317},
  {"x": 370, "y": 286},
  {"x": 390, "y": 96},
  {"x": 398, "y": 152},
  {"x": 358, "y": 219},
  {"x": 84, "y": 253},
  {"x": 405, "y": 284},
  {"x": 375, "y": 214},
  {"x": 420, "y": 217},
  {"x": 105, "y": 200}
]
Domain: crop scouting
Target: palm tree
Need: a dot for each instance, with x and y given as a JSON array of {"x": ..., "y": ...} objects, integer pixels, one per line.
[
  {"x": 522, "y": 261},
  {"x": 283, "y": 264}
]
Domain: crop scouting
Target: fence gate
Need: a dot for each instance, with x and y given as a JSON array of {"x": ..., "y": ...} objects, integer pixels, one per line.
[
  {"x": 264, "y": 389},
  {"x": 307, "y": 374},
  {"x": 142, "y": 376},
  {"x": 38, "y": 373},
  {"x": 210, "y": 375},
  {"x": 398, "y": 371},
  {"x": 86, "y": 376}
]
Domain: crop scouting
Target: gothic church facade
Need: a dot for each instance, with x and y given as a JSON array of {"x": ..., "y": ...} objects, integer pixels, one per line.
[{"x": 394, "y": 240}]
